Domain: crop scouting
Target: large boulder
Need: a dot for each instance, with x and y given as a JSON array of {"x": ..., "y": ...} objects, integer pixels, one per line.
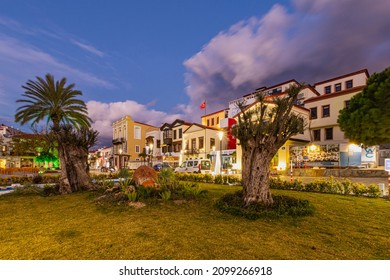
[{"x": 145, "y": 176}]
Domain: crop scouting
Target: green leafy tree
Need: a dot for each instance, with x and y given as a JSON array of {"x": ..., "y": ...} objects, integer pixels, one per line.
[
  {"x": 367, "y": 119},
  {"x": 262, "y": 130},
  {"x": 58, "y": 104}
]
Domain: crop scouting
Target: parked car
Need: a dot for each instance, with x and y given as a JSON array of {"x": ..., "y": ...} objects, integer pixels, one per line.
[
  {"x": 195, "y": 166},
  {"x": 106, "y": 169},
  {"x": 160, "y": 166}
]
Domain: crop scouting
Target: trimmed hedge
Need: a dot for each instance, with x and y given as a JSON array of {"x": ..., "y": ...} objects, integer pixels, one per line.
[
  {"x": 344, "y": 187},
  {"x": 208, "y": 178},
  {"x": 37, "y": 179}
]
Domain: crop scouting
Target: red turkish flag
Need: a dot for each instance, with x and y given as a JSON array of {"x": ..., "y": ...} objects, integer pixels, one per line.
[{"x": 202, "y": 105}]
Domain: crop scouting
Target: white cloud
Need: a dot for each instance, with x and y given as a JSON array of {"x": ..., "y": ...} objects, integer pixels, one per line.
[
  {"x": 104, "y": 114},
  {"x": 317, "y": 39},
  {"x": 88, "y": 48},
  {"x": 13, "y": 51}
]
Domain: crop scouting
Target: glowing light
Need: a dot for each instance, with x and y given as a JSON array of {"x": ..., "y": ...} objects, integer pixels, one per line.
[
  {"x": 354, "y": 148},
  {"x": 282, "y": 165}
]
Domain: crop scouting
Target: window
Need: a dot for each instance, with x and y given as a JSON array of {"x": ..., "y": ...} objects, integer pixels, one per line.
[
  {"x": 137, "y": 149},
  {"x": 349, "y": 84},
  {"x": 346, "y": 103},
  {"x": 174, "y": 134},
  {"x": 212, "y": 121},
  {"x": 137, "y": 132},
  {"x": 201, "y": 142},
  {"x": 217, "y": 120},
  {"x": 337, "y": 87},
  {"x": 317, "y": 135},
  {"x": 326, "y": 111},
  {"x": 193, "y": 143},
  {"x": 327, "y": 89},
  {"x": 313, "y": 113},
  {"x": 212, "y": 143},
  {"x": 329, "y": 133},
  {"x": 180, "y": 133}
]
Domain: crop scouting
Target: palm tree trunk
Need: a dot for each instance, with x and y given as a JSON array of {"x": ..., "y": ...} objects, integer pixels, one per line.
[
  {"x": 77, "y": 173},
  {"x": 74, "y": 176}
]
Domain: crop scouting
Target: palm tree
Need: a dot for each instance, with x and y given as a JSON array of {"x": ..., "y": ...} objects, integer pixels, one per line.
[
  {"x": 56, "y": 102},
  {"x": 53, "y": 100}
]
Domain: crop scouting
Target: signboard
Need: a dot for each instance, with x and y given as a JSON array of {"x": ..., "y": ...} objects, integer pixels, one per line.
[
  {"x": 368, "y": 154},
  {"x": 387, "y": 164}
]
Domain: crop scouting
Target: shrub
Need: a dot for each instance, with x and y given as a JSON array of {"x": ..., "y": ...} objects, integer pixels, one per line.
[
  {"x": 193, "y": 191},
  {"x": 37, "y": 179},
  {"x": 358, "y": 189},
  {"x": 28, "y": 189},
  {"x": 283, "y": 206},
  {"x": 147, "y": 192},
  {"x": 132, "y": 196},
  {"x": 50, "y": 190},
  {"x": 165, "y": 195},
  {"x": 373, "y": 190},
  {"x": 125, "y": 173}
]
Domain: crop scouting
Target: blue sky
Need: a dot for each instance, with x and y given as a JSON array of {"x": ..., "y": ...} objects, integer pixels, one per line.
[{"x": 158, "y": 60}]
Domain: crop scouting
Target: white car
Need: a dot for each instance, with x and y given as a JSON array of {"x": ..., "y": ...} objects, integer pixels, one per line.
[{"x": 195, "y": 166}]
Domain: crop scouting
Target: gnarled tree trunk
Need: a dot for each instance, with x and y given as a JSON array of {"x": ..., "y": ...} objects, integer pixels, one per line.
[
  {"x": 73, "y": 159},
  {"x": 255, "y": 175}
]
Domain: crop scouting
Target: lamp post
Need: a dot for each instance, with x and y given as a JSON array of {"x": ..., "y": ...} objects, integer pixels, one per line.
[
  {"x": 151, "y": 153},
  {"x": 220, "y": 136},
  {"x": 120, "y": 158}
]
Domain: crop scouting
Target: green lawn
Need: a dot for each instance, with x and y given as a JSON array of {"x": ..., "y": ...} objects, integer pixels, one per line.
[{"x": 74, "y": 227}]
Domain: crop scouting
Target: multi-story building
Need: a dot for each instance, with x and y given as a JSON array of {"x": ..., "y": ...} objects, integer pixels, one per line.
[
  {"x": 324, "y": 144},
  {"x": 202, "y": 142},
  {"x": 104, "y": 158},
  {"x": 129, "y": 140},
  {"x": 213, "y": 119},
  {"x": 329, "y": 146},
  {"x": 271, "y": 92},
  {"x": 172, "y": 140}
]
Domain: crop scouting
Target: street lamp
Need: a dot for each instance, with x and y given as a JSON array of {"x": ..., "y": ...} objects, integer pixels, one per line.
[
  {"x": 120, "y": 158},
  {"x": 220, "y": 136},
  {"x": 151, "y": 153}
]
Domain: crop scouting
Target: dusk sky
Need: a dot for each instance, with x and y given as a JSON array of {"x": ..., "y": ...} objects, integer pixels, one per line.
[{"x": 158, "y": 60}]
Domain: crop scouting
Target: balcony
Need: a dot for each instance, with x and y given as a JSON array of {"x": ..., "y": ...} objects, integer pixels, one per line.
[
  {"x": 118, "y": 140},
  {"x": 167, "y": 141}
]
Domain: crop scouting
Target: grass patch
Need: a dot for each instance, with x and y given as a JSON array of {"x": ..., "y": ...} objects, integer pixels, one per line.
[
  {"x": 284, "y": 206},
  {"x": 74, "y": 227}
]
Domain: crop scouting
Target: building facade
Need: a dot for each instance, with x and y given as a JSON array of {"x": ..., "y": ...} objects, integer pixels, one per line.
[
  {"x": 329, "y": 146},
  {"x": 129, "y": 141}
]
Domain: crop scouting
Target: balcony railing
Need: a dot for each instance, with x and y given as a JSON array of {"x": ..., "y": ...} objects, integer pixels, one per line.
[
  {"x": 118, "y": 140},
  {"x": 167, "y": 141}
]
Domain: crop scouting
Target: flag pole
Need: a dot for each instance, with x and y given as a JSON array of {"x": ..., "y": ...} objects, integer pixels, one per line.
[{"x": 205, "y": 141}]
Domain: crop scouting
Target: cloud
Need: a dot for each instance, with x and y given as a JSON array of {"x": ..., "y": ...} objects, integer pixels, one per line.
[
  {"x": 14, "y": 52},
  {"x": 315, "y": 40},
  {"x": 104, "y": 114},
  {"x": 88, "y": 48}
]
